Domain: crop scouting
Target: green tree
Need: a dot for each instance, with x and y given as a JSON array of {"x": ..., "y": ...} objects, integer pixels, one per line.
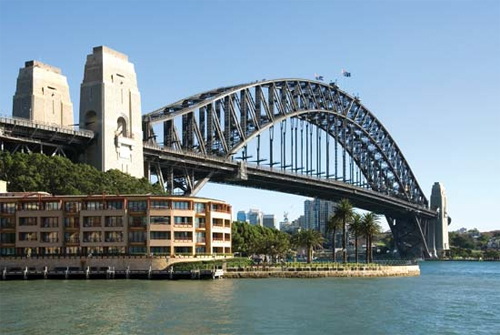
[
  {"x": 356, "y": 229},
  {"x": 58, "y": 175},
  {"x": 370, "y": 227},
  {"x": 343, "y": 212},
  {"x": 308, "y": 239},
  {"x": 333, "y": 225}
]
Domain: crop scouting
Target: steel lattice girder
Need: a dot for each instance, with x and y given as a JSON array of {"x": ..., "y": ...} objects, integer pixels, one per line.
[{"x": 228, "y": 118}]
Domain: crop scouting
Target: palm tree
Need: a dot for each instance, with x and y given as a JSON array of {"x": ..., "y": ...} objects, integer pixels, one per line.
[
  {"x": 371, "y": 226},
  {"x": 333, "y": 225},
  {"x": 356, "y": 228},
  {"x": 309, "y": 239},
  {"x": 343, "y": 212}
]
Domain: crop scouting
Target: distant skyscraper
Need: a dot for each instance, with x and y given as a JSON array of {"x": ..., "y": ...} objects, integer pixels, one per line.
[
  {"x": 269, "y": 221},
  {"x": 316, "y": 214},
  {"x": 254, "y": 217},
  {"x": 241, "y": 216}
]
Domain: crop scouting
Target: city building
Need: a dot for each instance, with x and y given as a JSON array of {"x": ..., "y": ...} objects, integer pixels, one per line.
[
  {"x": 316, "y": 214},
  {"x": 269, "y": 221},
  {"x": 241, "y": 216},
  {"x": 42, "y": 224},
  {"x": 254, "y": 217}
]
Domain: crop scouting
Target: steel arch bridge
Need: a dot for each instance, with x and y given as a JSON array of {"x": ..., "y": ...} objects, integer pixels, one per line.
[{"x": 330, "y": 146}]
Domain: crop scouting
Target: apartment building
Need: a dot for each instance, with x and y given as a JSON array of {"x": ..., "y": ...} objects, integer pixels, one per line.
[{"x": 42, "y": 224}]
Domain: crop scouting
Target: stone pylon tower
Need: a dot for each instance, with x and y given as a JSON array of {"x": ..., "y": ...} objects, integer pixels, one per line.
[
  {"x": 42, "y": 95},
  {"x": 438, "y": 240},
  {"x": 110, "y": 105}
]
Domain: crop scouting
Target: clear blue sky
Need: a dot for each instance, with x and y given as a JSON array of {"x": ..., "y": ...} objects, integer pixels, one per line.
[{"x": 429, "y": 70}]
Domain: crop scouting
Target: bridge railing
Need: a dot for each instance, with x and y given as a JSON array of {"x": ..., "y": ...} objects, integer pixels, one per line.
[{"x": 45, "y": 125}]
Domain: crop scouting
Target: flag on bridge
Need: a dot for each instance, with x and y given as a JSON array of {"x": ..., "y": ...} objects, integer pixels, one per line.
[
  {"x": 318, "y": 77},
  {"x": 345, "y": 73}
]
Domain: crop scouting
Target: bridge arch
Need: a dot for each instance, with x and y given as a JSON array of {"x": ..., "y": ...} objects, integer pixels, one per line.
[{"x": 221, "y": 122}]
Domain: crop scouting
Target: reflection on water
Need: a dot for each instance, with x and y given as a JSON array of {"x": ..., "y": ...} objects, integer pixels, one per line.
[{"x": 448, "y": 298}]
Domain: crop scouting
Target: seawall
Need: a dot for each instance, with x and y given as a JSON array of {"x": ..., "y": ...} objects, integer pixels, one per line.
[{"x": 378, "y": 271}]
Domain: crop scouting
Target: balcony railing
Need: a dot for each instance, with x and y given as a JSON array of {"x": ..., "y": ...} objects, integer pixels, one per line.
[
  {"x": 113, "y": 240},
  {"x": 92, "y": 240},
  {"x": 183, "y": 225},
  {"x": 50, "y": 240},
  {"x": 184, "y": 240},
  {"x": 92, "y": 225},
  {"x": 28, "y": 239},
  {"x": 7, "y": 226}
]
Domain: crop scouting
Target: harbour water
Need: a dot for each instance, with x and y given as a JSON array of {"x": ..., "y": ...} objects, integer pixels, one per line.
[{"x": 448, "y": 298}]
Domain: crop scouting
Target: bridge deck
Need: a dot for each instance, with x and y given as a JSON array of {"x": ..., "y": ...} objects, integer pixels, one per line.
[{"x": 282, "y": 180}]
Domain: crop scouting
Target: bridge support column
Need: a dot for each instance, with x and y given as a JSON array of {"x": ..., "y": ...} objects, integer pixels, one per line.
[{"x": 409, "y": 237}]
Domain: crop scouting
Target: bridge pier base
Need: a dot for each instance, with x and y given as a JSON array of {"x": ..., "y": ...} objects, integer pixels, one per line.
[{"x": 409, "y": 239}]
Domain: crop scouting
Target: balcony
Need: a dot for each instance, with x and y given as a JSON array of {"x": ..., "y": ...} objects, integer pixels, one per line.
[{"x": 73, "y": 240}]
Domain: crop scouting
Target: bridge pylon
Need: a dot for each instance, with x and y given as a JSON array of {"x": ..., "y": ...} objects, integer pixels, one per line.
[{"x": 110, "y": 106}]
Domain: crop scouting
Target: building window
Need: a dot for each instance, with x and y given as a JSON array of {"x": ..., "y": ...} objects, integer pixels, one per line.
[
  {"x": 30, "y": 206},
  {"x": 183, "y": 220},
  {"x": 114, "y": 250},
  {"x": 137, "y": 236},
  {"x": 50, "y": 237},
  {"x": 28, "y": 221},
  {"x": 137, "y": 221},
  {"x": 72, "y": 206},
  {"x": 114, "y": 204},
  {"x": 160, "y": 250},
  {"x": 160, "y": 204},
  {"x": 223, "y": 208},
  {"x": 159, "y": 235},
  {"x": 159, "y": 220},
  {"x": 138, "y": 206},
  {"x": 92, "y": 221},
  {"x": 201, "y": 250},
  {"x": 8, "y": 238},
  {"x": 93, "y": 205},
  {"x": 199, "y": 208},
  {"x": 72, "y": 237},
  {"x": 72, "y": 222},
  {"x": 218, "y": 222},
  {"x": 200, "y": 222},
  {"x": 28, "y": 237},
  {"x": 137, "y": 250},
  {"x": 72, "y": 250},
  {"x": 183, "y": 236},
  {"x": 52, "y": 206},
  {"x": 181, "y": 205},
  {"x": 114, "y": 236},
  {"x": 200, "y": 237},
  {"x": 7, "y": 251},
  {"x": 183, "y": 250},
  {"x": 114, "y": 221},
  {"x": 8, "y": 207},
  {"x": 52, "y": 222},
  {"x": 92, "y": 237},
  {"x": 7, "y": 222}
]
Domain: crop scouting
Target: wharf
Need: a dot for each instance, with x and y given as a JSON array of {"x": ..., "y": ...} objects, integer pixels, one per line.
[{"x": 106, "y": 273}]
